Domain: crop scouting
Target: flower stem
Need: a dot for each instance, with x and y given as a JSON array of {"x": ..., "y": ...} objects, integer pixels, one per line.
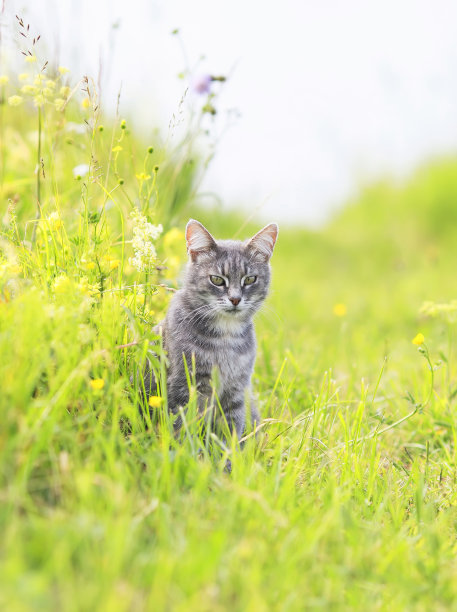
[{"x": 38, "y": 179}]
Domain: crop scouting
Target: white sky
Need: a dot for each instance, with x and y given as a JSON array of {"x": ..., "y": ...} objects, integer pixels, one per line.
[{"x": 331, "y": 94}]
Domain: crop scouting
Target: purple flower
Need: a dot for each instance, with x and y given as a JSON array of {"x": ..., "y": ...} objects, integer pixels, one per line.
[{"x": 202, "y": 83}]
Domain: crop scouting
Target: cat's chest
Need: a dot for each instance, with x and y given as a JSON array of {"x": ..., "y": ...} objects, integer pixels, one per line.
[{"x": 232, "y": 367}]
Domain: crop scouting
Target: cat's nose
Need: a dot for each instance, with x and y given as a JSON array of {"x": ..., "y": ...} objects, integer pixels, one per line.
[{"x": 235, "y": 300}]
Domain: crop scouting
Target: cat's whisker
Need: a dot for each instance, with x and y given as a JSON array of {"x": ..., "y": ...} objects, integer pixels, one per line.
[
  {"x": 268, "y": 310},
  {"x": 194, "y": 313}
]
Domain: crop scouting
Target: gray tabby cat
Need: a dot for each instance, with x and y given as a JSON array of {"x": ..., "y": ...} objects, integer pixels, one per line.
[{"x": 210, "y": 318}]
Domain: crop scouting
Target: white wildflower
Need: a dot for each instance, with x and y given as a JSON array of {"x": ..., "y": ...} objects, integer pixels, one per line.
[
  {"x": 80, "y": 170},
  {"x": 143, "y": 235},
  {"x": 77, "y": 128}
]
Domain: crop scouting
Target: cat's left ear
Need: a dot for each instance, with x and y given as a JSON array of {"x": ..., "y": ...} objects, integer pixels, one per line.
[
  {"x": 199, "y": 240},
  {"x": 263, "y": 243}
]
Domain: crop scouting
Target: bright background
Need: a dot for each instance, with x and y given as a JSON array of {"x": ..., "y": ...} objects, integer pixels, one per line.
[{"x": 331, "y": 95}]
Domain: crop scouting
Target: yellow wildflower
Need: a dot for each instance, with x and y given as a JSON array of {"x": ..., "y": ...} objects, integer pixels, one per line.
[
  {"x": 418, "y": 339},
  {"x": 14, "y": 100},
  {"x": 116, "y": 149},
  {"x": 63, "y": 69},
  {"x": 97, "y": 384},
  {"x": 90, "y": 265},
  {"x": 62, "y": 284},
  {"x": 39, "y": 79},
  {"x": 55, "y": 222},
  {"x": 59, "y": 103},
  {"x": 112, "y": 262},
  {"x": 31, "y": 59},
  {"x": 142, "y": 176},
  {"x": 339, "y": 310},
  {"x": 85, "y": 103},
  {"x": 86, "y": 288},
  {"x": 47, "y": 91},
  {"x": 4, "y": 79},
  {"x": 51, "y": 84},
  {"x": 155, "y": 401},
  {"x": 24, "y": 76},
  {"x": 64, "y": 91}
]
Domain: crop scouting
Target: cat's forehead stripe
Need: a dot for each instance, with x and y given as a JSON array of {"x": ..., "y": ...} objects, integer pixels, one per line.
[{"x": 233, "y": 263}]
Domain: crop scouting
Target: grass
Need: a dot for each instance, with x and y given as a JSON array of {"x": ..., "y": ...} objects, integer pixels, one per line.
[{"x": 347, "y": 499}]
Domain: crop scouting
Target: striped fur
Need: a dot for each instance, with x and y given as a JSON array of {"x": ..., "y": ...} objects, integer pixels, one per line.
[{"x": 213, "y": 325}]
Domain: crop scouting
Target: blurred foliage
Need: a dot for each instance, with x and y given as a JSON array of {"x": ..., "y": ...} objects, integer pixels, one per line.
[{"x": 346, "y": 499}]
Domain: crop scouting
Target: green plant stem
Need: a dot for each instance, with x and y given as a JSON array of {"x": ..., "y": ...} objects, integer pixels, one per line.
[{"x": 38, "y": 179}]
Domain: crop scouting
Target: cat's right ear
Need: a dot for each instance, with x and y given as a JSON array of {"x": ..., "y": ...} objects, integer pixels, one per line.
[{"x": 199, "y": 240}]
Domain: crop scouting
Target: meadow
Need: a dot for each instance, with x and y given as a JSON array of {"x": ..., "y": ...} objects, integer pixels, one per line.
[{"x": 346, "y": 500}]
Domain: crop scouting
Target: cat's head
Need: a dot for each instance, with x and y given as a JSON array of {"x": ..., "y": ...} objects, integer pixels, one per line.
[{"x": 230, "y": 277}]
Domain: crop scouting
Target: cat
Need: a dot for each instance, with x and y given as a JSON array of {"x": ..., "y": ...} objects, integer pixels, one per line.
[{"x": 209, "y": 323}]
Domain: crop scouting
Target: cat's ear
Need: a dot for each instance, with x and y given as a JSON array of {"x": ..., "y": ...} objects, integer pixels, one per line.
[
  {"x": 263, "y": 243},
  {"x": 199, "y": 240}
]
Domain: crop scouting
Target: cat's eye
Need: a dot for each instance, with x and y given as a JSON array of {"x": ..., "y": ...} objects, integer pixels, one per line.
[
  {"x": 217, "y": 280},
  {"x": 249, "y": 280}
]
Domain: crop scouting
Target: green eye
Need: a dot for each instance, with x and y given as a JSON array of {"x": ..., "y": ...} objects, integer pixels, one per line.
[
  {"x": 217, "y": 280},
  {"x": 249, "y": 280}
]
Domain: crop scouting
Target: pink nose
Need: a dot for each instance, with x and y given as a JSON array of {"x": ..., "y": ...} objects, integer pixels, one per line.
[{"x": 235, "y": 301}]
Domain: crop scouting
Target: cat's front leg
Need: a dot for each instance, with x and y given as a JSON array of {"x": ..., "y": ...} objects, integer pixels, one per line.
[
  {"x": 235, "y": 412},
  {"x": 255, "y": 414},
  {"x": 178, "y": 393}
]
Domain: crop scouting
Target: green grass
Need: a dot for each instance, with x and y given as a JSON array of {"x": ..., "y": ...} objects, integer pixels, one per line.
[{"x": 346, "y": 500}]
